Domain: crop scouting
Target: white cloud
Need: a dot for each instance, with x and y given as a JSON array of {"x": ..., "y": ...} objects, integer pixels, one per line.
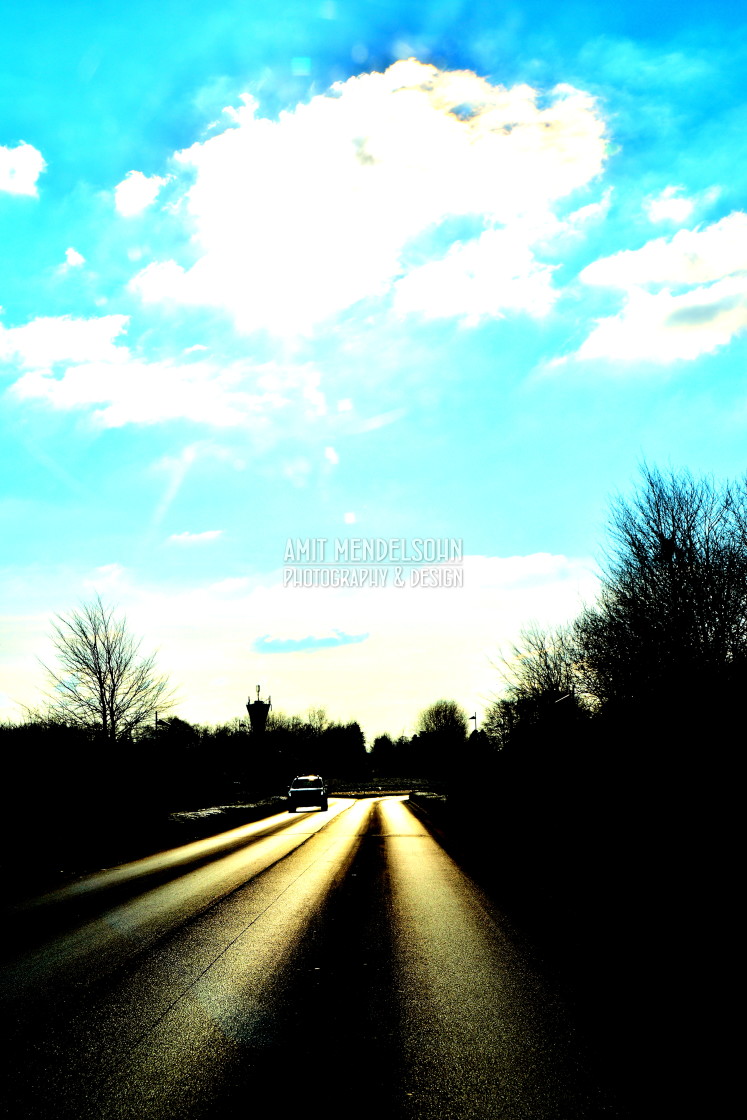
[
  {"x": 188, "y": 538},
  {"x": 176, "y": 468},
  {"x": 112, "y": 579},
  {"x": 592, "y": 212},
  {"x": 331, "y": 456},
  {"x": 697, "y": 256},
  {"x": 298, "y": 219},
  {"x": 20, "y": 167},
  {"x": 669, "y": 206},
  {"x": 685, "y": 295},
  {"x": 73, "y": 259},
  {"x": 76, "y": 364},
  {"x": 140, "y": 392},
  {"x": 493, "y": 273},
  {"x": 46, "y": 341},
  {"x": 381, "y": 420},
  {"x": 136, "y": 192},
  {"x": 661, "y": 327}
]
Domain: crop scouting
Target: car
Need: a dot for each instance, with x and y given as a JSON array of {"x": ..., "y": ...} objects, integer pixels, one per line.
[{"x": 307, "y": 791}]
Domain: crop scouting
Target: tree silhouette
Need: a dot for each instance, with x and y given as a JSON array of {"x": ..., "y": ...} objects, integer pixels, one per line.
[
  {"x": 441, "y": 733},
  {"x": 669, "y": 631},
  {"x": 542, "y": 686},
  {"x": 444, "y": 717},
  {"x": 102, "y": 681}
]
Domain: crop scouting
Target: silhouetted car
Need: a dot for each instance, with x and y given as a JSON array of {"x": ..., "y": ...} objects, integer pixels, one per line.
[{"x": 307, "y": 791}]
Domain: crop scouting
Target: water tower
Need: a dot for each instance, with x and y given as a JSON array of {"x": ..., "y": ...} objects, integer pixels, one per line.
[{"x": 258, "y": 710}]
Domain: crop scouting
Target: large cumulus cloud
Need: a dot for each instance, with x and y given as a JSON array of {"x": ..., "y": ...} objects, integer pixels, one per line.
[{"x": 343, "y": 198}]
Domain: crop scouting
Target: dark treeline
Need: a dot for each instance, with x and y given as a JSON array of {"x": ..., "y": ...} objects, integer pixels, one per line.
[
  {"x": 74, "y": 798},
  {"x": 172, "y": 764},
  {"x": 609, "y": 779},
  {"x": 197, "y": 766},
  {"x": 613, "y": 730}
]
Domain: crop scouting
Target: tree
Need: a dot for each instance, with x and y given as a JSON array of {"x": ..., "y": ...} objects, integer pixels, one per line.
[
  {"x": 542, "y": 687},
  {"x": 441, "y": 734},
  {"x": 344, "y": 750},
  {"x": 317, "y": 720},
  {"x": 444, "y": 717},
  {"x": 102, "y": 681},
  {"x": 668, "y": 635},
  {"x": 542, "y": 665},
  {"x": 382, "y": 753}
]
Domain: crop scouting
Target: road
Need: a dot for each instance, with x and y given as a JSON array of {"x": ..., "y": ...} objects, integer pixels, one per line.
[{"x": 341, "y": 958}]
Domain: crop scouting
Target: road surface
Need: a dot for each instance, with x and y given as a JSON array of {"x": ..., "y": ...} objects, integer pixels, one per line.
[{"x": 340, "y": 959}]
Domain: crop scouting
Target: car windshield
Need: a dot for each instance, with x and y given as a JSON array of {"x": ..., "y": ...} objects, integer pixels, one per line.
[{"x": 305, "y": 783}]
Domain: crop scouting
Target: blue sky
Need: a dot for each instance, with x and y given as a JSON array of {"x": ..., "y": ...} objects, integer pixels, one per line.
[{"x": 379, "y": 271}]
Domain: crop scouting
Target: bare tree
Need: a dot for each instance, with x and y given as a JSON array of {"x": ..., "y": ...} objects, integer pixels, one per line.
[
  {"x": 542, "y": 684},
  {"x": 542, "y": 664},
  {"x": 102, "y": 681},
  {"x": 671, "y": 621},
  {"x": 317, "y": 720}
]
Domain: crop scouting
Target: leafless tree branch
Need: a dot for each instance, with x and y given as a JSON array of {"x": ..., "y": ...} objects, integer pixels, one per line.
[{"x": 101, "y": 680}]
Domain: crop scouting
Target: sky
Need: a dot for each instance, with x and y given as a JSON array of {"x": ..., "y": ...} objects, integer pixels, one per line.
[{"x": 425, "y": 282}]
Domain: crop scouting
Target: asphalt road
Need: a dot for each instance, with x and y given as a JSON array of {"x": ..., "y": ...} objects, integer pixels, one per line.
[{"x": 340, "y": 959}]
